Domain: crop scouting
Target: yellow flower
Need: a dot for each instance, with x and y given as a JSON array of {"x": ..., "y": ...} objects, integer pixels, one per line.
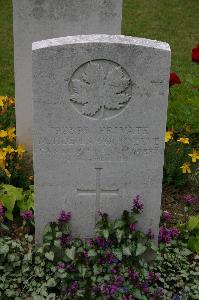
[
  {"x": 7, "y": 173},
  {"x": 9, "y": 149},
  {"x": 183, "y": 140},
  {"x": 10, "y": 101},
  {"x": 194, "y": 155},
  {"x": 11, "y": 133},
  {"x": 3, "y": 133},
  {"x": 31, "y": 178},
  {"x": 2, "y": 98},
  {"x": 2, "y": 160},
  {"x": 168, "y": 136},
  {"x": 186, "y": 168},
  {"x": 20, "y": 150}
]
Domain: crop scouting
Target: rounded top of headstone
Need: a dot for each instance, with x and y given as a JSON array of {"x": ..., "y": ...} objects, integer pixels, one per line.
[{"x": 101, "y": 38}]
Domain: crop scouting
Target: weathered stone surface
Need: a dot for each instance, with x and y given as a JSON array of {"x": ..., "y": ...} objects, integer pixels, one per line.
[
  {"x": 100, "y": 105},
  {"x": 36, "y": 20}
]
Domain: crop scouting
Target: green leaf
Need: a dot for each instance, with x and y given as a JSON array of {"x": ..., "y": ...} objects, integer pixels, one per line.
[
  {"x": 105, "y": 233},
  {"x": 49, "y": 255},
  {"x": 193, "y": 223},
  {"x": 70, "y": 253},
  {"x": 9, "y": 195},
  {"x": 118, "y": 224},
  {"x": 153, "y": 246},
  {"x": 140, "y": 249},
  {"x": 82, "y": 270},
  {"x": 4, "y": 249},
  {"x": 137, "y": 294},
  {"x": 51, "y": 282},
  {"x": 193, "y": 243},
  {"x": 9, "y": 215},
  {"x": 126, "y": 251},
  {"x": 92, "y": 253},
  {"x": 26, "y": 203},
  {"x": 185, "y": 252},
  {"x": 51, "y": 297},
  {"x": 119, "y": 234},
  {"x": 117, "y": 253}
]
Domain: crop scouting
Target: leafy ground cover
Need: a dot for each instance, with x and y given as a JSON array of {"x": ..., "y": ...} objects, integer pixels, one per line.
[{"x": 113, "y": 265}]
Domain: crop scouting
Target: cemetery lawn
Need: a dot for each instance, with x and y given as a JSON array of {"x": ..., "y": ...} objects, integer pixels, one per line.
[
  {"x": 6, "y": 49},
  {"x": 174, "y": 21}
]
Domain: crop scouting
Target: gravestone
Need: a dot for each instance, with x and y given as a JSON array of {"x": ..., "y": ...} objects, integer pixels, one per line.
[
  {"x": 36, "y": 20},
  {"x": 100, "y": 105}
]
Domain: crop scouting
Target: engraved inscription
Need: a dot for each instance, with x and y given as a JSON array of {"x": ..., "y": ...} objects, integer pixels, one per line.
[
  {"x": 110, "y": 143},
  {"x": 98, "y": 191},
  {"x": 100, "y": 89}
]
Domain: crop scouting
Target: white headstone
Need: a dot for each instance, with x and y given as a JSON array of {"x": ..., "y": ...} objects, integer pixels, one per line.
[
  {"x": 36, "y": 20},
  {"x": 100, "y": 106}
]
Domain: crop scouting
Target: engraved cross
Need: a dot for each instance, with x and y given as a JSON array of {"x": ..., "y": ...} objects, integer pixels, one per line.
[{"x": 98, "y": 191}]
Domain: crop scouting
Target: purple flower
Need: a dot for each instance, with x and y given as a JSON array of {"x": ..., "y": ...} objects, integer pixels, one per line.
[
  {"x": 101, "y": 242},
  {"x": 144, "y": 287},
  {"x": 71, "y": 268},
  {"x": 27, "y": 215},
  {"x": 190, "y": 199},
  {"x": 73, "y": 288},
  {"x": 174, "y": 232},
  {"x": 153, "y": 277},
  {"x": 137, "y": 205},
  {"x": 65, "y": 240},
  {"x": 60, "y": 266},
  {"x": 64, "y": 217},
  {"x": 119, "y": 280},
  {"x": 159, "y": 292},
  {"x": 134, "y": 276},
  {"x": 109, "y": 290},
  {"x": 166, "y": 235},
  {"x": 166, "y": 216},
  {"x": 1, "y": 211},
  {"x": 129, "y": 297},
  {"x": 110, "y": 258},
  {"x": 150, "y": 234},
  {"x": 85, "y": 254},
  {"x": 133, "y": 227}
]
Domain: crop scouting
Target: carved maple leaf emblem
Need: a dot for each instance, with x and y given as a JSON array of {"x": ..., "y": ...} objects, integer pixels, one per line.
[{"x": 98, "y": 89}]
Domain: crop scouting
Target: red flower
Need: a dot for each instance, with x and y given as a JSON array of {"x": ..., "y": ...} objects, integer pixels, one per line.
[
  {"x": 174, "y": 79},
  {"x": 195, "y": 54}
]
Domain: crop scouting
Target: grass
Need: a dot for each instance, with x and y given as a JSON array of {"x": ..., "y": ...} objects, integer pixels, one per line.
[
  {"x": 173, "y": 21},
  {"x": 6, "y": 49}
]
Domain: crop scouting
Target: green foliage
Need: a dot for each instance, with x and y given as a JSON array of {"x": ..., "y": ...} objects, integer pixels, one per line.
[
  {"x": 73, "y": 268},
  {"x": 179, "y": 269},
  {"x": 12, "y": 197},
  {"x": 193, "y": 227}
]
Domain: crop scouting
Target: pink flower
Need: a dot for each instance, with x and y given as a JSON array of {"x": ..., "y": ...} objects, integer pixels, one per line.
[
  {"x": 137, "y": 205},
  {"x": 133, "y": 227},
  {"x": 166, "y": 216},
  {"x": 1, "y": 211},
  {"x": 27, "y": 215},
  {"x": 190, "y": 199},
  {"x": 64, "y": 217}
]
